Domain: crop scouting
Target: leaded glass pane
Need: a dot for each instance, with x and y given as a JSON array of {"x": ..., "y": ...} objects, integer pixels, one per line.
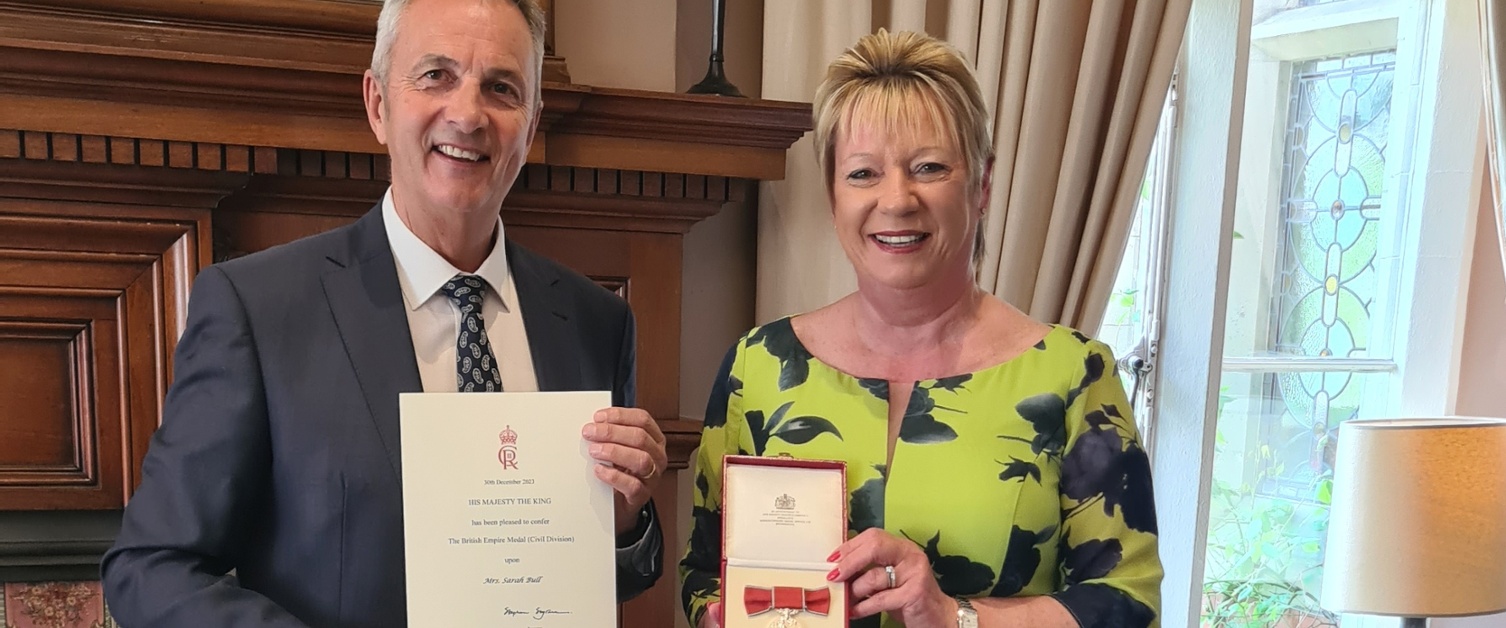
[{"x": 1333, "y": 182}]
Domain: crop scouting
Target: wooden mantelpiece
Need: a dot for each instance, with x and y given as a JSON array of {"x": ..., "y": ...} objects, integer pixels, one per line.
[
  {"x": 141, "y": 140},
  {"x": 287, "y": 74}
]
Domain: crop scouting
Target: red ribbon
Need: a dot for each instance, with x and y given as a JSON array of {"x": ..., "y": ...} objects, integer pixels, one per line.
[{"x": 762, "y": 600}]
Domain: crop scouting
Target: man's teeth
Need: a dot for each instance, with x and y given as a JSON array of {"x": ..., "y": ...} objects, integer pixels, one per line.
[
  {"x": 900, "y": 240},
  {"x": 459, "y": 153}
]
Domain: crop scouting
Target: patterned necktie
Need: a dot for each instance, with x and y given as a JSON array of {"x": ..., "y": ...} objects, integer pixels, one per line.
[{"x": 475, "y": 366}]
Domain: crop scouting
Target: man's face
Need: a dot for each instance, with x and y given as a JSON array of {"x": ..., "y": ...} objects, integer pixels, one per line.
[{"x": 456, "y": 109}]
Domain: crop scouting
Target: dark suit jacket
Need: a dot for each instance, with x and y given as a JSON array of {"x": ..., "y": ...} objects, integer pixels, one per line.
[{"x": 278, "y": 455}]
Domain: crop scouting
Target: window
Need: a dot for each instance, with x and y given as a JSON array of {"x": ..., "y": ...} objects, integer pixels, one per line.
[
  {"x": 1132, "y": 320},
  {"x": 1329, "y": 221},
  {"x": 1328, "y": 287},
  {"x": 1299, "y": 357}
]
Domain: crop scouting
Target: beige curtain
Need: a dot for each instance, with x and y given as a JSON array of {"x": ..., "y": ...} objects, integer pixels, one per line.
[
  {"x": 1493, "y": 32},
  {"x": 1076, "y": 87}
]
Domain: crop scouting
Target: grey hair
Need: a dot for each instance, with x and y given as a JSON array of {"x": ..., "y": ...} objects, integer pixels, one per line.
[{"x": 392, "y": 12}]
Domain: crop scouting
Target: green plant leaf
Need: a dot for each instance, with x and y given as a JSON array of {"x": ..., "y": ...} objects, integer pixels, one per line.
[{"x": 1325, "y": 492}]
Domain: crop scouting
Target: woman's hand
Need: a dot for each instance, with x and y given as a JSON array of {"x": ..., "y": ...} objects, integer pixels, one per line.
[
  {"x": 909, "y": 595},
  {"x": 712, "y": 618}
]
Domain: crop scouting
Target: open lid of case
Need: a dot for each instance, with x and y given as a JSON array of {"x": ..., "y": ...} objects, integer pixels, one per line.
[{"x": 782, "y": 510}]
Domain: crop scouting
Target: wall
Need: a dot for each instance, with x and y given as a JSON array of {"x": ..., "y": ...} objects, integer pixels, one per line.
[
  {"x": 617, "y": 44},
  {"x": 1482, "y": 362}
]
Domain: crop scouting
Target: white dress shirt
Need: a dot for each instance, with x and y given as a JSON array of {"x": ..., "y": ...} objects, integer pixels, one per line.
[{"x": 434, "y": 321}]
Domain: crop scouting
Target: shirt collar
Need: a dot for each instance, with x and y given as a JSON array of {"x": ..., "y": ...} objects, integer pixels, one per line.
[{"x": 422, "y": 272}]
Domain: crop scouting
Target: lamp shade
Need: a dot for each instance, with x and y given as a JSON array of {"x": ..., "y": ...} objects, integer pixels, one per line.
[{"x": 1418, "y": 520}]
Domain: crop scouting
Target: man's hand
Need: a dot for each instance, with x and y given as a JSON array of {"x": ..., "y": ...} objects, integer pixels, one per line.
[{"x": 630, "y": 447}]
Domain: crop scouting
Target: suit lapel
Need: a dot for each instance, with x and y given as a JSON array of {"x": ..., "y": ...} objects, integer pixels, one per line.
[
  {"x": 546, "y": 320},
  {"x": 367, "y": 304}
]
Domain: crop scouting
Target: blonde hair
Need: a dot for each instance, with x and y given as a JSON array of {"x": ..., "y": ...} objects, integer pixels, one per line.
[
  {"x": 890, "y": 77},
  {"x": 392, "y": 13}
]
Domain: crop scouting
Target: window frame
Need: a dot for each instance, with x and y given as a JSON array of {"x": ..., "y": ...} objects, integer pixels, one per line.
[
  {"x": 1138, "y": 364},
  {"x": 1439, "y": 187}
]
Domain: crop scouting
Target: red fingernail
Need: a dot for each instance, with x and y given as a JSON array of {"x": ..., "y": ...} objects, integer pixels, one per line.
[
  {"x": 832, "y": 575},
  {"x": 834, "y": 556}
]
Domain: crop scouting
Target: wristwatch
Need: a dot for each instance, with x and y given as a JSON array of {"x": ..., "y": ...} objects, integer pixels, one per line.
[{"x": 967, "y": 617}]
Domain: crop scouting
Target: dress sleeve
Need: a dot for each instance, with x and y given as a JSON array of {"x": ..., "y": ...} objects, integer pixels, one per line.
[
  {"x": 1111, "y": 572},
  {"x": 700, "y": 569}
]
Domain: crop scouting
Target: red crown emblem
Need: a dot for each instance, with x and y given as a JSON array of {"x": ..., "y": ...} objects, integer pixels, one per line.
[{"x": 508, "y": 437}]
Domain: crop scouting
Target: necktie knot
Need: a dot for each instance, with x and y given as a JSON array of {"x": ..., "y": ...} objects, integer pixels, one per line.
[
  {"x": 476, "y": 368},
  {"x": 465, "y": 289}
]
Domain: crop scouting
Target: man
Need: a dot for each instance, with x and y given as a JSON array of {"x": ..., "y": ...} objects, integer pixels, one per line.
[{"x": 278, "y": 456}]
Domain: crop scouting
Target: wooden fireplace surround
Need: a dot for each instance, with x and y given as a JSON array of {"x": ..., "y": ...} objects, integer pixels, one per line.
[{"x": 141, "y": 140}]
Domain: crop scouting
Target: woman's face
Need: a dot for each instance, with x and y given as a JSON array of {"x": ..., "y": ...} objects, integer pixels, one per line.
[{"x": 902, "y": 204}]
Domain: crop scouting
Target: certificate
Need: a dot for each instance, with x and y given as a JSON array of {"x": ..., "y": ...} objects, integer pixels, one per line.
[{"x": 504, "y": 521}]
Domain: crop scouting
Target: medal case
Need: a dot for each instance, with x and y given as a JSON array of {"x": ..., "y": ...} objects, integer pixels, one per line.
[{"x": 781, "y": 519}]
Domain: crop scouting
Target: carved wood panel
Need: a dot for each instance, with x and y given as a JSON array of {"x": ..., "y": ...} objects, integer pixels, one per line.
[
  {"x": 96, "y": 261},
  {"x": 46, "y": 371},
  {"x": 61, "y": 439},
  {"x": 91, "y": 302}
]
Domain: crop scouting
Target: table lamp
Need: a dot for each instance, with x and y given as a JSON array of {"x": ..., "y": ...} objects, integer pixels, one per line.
[{"x": 1418, "y": 521}]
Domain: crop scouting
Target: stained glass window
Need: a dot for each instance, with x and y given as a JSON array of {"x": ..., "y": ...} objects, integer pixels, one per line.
[{"x": 1333, "y": 182}]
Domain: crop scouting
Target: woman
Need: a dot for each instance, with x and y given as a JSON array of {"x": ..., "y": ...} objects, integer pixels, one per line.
[{"x": 995, "y": 476}]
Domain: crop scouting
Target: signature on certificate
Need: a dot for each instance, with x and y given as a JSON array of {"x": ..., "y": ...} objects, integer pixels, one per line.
[{"x": 537, "y": 613}]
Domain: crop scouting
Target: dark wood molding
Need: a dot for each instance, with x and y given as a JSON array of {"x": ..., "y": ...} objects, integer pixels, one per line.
[
  {"x": 333, "y": 35},
  {"x": 116, "y": 184},
  {"x": 687, "y": 118},
  {"x": 573, "y": 210},
  {"x": 681, "y": 436},
  {"x": 352, "y": 18},
  {"x": 287, "y": 74},
  {"x": 55, "y": 545},
  {"x": 542, "y": 197},
  {"x": 80, "y": 73}
]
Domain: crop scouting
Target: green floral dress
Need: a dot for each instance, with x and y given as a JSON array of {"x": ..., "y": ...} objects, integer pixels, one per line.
[{"x": 1025, "y": 478}]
